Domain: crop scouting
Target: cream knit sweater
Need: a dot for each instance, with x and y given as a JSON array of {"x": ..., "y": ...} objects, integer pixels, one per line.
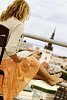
[{"x": 16, "y": 30}]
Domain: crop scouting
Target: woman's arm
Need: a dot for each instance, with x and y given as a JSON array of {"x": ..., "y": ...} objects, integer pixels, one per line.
[{"x": 11, "y": 47}]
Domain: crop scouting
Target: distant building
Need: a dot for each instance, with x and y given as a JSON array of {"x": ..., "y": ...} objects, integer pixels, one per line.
[
  {"x": 47, "y": 53},
  {"x": 59, "y": 60},
  {"x": 49, "y": 46}
]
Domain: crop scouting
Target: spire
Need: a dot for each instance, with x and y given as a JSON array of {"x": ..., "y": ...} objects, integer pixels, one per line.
[
  {"x": 49, "y": 46},
  {"x": 52, "y": 37}
]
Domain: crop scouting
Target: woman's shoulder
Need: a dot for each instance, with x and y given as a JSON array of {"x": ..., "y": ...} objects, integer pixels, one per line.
[
  {"x": 11, "y": 22},
  {"x": 14, "y": 20}
]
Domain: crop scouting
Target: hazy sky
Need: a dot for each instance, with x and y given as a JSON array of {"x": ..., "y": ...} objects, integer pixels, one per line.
[{"x": 45, "y": 15}]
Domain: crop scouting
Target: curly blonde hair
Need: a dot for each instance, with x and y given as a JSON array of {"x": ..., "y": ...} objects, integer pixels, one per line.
[{"x": 18, "y": 9}]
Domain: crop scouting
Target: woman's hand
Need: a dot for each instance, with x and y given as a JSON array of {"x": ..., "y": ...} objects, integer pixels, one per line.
[
  {"x": 16, "y": 58},
  {"x": 37, "y": 54},
  {"x": 19, "y": 60}
]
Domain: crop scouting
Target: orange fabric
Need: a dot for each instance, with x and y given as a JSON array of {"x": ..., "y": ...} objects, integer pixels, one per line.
[
  {"x": 17, "y": 75},
  {"x": 1, "y": 82}
]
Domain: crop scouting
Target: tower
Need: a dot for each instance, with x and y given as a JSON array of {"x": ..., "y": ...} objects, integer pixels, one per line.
[
  {"x": 47, "y": 52},
  {"x": 49, "y": 46}
]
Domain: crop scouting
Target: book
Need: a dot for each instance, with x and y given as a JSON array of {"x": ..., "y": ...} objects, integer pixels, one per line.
[{"x": 24, "y": 54}]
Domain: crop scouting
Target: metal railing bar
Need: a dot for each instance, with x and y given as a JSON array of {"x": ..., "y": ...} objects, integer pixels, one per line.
[{"x": 45, "y": 39}]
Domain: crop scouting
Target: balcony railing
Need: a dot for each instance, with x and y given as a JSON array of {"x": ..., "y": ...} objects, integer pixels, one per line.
[{"x": 45, "y": 39}]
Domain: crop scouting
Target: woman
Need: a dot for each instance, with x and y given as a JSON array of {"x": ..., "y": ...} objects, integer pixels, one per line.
[{"x": 19, "y": 71}]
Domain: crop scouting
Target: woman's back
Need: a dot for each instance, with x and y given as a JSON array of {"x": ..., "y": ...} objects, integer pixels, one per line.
[{"x": 12, "y": 24}]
